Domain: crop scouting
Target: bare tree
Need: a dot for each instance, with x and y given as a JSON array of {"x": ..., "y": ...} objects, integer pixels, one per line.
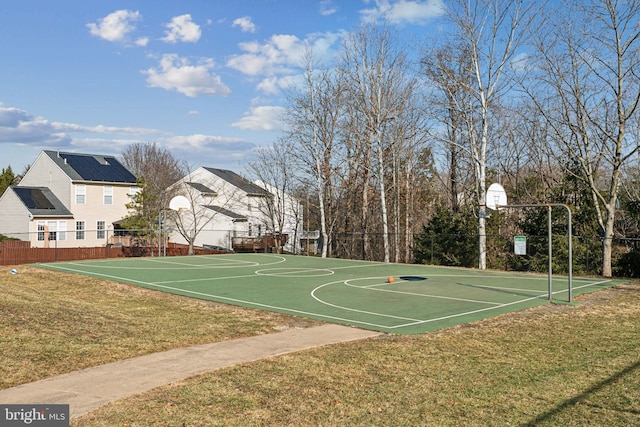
[
  {"x": 380, "y": 89},
  {"x": 449, "y": 71},
  {"x": 158, "y": 170},
  {"x": 313, "y": 117},
  {"x": 274, "y": 171},
  {"x": 490, "y": 32},
  {"x": 588, "y": 91}
]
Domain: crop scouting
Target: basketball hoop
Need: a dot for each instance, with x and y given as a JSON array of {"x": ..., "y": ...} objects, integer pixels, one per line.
[
  {"x": 496, "y": 197},
  {"x": 179, "y": 203}
]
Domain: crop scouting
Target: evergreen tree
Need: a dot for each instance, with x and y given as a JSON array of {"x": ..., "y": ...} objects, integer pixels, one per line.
[
  {"x": 448, "y": 239},
  {"x": 7, "y": 179}
]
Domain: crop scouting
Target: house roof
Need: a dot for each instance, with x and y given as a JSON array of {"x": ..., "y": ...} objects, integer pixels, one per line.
[
  {"x": 202, "y": 188},
  {"x": 40, "y": 201},
  {"x": 242, "y": 183},
  {"x": 234, "y": 216},
  {"x": 91, "y": 167}
]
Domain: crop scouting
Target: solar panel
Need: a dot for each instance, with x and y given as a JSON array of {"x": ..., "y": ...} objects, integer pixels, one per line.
[
  {"x": 98, "y": 168},
  {"x": 33, "y": 198}
]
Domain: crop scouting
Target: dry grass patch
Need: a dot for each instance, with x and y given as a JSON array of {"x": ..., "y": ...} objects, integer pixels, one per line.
[
  {"x": 54, "y": 323},
  {"x": 548, "y": 366}
]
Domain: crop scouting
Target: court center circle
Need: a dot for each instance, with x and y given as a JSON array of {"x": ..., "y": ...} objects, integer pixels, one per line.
[{"x": 295, "y": 272}]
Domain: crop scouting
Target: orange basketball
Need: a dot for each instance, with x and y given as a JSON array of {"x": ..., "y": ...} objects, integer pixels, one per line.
[{"x": 390, "y": 279}]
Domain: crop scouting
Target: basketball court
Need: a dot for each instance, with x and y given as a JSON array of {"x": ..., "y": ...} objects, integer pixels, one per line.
[{"x": 392, "y": 298}]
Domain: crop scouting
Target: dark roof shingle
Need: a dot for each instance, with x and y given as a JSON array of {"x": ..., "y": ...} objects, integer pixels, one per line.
[
  {"x": 91, "y": 167},
  {"x": 226, "y": 212},
  {"x": 40, "y": 201},
  {"x": 242, "y": 183}
]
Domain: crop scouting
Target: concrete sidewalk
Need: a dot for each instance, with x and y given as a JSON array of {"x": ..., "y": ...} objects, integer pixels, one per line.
[{"x": 92, "y": 388}]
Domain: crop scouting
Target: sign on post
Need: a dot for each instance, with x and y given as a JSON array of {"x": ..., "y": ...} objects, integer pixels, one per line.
[{"x": 520, "y": 245}]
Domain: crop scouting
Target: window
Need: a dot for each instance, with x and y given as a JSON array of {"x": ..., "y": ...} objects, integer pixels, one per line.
[
  {"x": 132, "y": 193},
  {"x": 107, "y": 194},
  {"x": 51, "y": 227},
  {"x": 79, "y": 230},
  {"x": 41, "y": 231},
  {"x": 81, "y": 194},
  {"x": 62, "y": 230},
  {"x": 101, "y": 230}
]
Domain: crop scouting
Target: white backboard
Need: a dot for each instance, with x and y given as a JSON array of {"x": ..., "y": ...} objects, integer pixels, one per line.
[
  {"x": 179, "y": 203},
  {"x": 496, "y": 197}
]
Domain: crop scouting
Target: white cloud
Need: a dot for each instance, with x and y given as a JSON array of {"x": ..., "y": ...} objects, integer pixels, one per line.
[
  {"x": 245, "y": 24},
  {"x": 265, "y": 118},
  {"x": 521, "y": 62},
  {"x": 23, "y": 136},
  {"x": 282, "y": 53},
  {"x": 115, "y": 26},
  {"x": 404, "y": 11},
  {"x": 327, "y": 8},
  {"x": 142, "y": 41},
  {"x": 210, "y": 150},
  {"x": 273, "y": 85},
  {"x": 100, "y": 129},
  {"x": 188, "y": 142},
  {"x": 19, "y": 127},
  {"x": 181, "y": 28},
  {"x": 274, "y": 56},
  {"x": 177, "y": 74}
]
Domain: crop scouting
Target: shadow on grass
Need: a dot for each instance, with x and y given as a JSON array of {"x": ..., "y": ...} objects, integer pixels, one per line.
[{"x": 582, "y": 398}]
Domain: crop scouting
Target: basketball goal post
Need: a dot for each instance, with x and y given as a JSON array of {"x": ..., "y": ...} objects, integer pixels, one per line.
[
  {"x": 178, "y": 204},
  {"x": 496, "y": 199}
]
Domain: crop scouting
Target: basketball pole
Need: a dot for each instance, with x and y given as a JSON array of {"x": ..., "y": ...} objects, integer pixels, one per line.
[
  {"x": 550, "y": 234},
  {"x": 496, "y": 199},
  {"x": 569, "y": 243}
]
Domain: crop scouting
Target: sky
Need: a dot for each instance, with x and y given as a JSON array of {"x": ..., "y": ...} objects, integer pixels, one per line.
[{"x": 202, "y": 79}]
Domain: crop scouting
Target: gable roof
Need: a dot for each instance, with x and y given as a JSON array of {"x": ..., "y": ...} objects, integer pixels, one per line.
[
  {"x": 40, "y": 201},
  {"x": 91, "y": 167},
  {"x": 242, "y": 183},
  {"x": 202, "y": 188},
  {"x": 234, "y": 216}
]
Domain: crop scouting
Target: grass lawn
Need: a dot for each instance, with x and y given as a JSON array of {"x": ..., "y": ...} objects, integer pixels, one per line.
[
  {"x": 54, "y": 323},
  {"x": 556, "y": 365}
]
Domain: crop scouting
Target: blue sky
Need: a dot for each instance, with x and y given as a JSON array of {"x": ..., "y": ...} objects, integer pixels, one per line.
[{"x": 201, "y": 78}]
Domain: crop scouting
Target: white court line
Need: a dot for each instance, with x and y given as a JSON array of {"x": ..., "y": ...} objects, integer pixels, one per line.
[
  {"x": 242, "y": 263},
  {"x": 433, "y": 296},
  {"x": 239, "y": 301},
  {"x": 377, "y": 288},
  {"x": 491, "y": 308},
  {"x": 412, "y": 322}
]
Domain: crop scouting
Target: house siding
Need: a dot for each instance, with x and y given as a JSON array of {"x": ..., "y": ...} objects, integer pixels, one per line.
[
  {"x": 46, "y": 173},
  {"x": 240, "y": 214},
  {"x": 15, "y": 216}
]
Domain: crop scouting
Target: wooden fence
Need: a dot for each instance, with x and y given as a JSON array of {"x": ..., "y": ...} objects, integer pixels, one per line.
[{"x": 15, "y": 252}]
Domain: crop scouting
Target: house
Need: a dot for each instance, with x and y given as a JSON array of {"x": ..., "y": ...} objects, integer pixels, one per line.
[
  {"x": 67, "y": 200},
  {"x": 286, "y": 212},
  {"x": 224, "y": 205}
]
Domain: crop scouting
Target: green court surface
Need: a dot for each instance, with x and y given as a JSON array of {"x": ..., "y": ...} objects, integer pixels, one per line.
[{"x": 421, "y": 298}]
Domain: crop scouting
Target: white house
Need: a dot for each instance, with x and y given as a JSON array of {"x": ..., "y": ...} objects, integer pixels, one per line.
[
  {"x": 67, "y": 200},
  {"x": 223, "y": 205},
  {"x": 287, "y": 216}
]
